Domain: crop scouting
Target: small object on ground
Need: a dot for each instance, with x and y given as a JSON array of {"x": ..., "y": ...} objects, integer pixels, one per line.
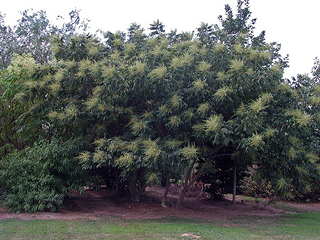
[{"x": 190, "y": 235}]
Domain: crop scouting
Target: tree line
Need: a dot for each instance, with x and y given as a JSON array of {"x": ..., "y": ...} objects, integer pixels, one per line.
[{"x": 128, "y": 109}]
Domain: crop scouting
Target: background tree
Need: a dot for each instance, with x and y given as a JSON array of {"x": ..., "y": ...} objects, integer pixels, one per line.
[
  {"x": 19, "y": 128},
  {"x": 34, "y": 33},
  {"x": 8, "y": 43},
  {"x": 25, "y": 123}
]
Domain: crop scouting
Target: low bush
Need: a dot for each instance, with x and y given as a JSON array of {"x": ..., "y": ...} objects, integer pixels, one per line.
[
  {"x": 253, "y": 186},
  {"x": 38, "y": 178}
]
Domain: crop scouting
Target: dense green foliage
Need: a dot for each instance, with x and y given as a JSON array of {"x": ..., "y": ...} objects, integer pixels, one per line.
[
  {"x": 163, "y": 106},
  {"x": 19, "y": 128},
  {"x": 40, "y": 177}
]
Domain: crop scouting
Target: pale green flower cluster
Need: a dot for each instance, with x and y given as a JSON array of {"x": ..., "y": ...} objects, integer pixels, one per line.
[{"x": 20, "y": 62}]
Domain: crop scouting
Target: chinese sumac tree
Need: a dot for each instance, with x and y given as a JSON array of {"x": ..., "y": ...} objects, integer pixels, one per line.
[{"x": 170, "y": 105}]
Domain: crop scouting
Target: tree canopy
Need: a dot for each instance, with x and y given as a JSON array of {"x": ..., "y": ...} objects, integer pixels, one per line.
[{"x": 161, "y": 105}]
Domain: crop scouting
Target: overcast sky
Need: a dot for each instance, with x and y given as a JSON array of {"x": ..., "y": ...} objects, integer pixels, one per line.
[{"x": 293, "y": 23}]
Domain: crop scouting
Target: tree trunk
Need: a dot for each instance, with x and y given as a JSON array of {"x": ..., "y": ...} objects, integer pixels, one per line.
[
  {"x": 117, "y": 184},
  {"x": 135, "y": 190},
  {"x": 164, "y": 198},
  {"x": 133, "y": 187},
  {"x": 181, "y": 196},
  {"x": 187, "y": 184},
  {"x": 141, "y": 191},
  {"x": 234, "y": 183}
]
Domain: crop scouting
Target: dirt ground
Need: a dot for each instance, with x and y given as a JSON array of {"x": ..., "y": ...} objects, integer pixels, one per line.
[{"x": 103, "y": 203}]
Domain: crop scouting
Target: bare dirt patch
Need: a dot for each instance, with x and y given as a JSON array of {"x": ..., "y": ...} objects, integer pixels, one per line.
[{"x": 103, "y": 203}]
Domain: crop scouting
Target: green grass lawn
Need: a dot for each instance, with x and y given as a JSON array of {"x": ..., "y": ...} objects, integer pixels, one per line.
[{"x": 296, "y": 226}]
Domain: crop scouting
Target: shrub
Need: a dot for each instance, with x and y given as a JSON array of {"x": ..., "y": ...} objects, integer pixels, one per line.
[
  {"x": 38, "y": 178},
  {"x": 253, "y": 186}
]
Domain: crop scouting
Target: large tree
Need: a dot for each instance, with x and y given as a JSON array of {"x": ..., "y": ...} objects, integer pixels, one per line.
[{"x": 166, "y": 105}]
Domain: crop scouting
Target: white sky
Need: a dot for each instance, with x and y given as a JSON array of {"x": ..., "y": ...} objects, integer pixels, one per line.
[{"x": 293, "y": 23}]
